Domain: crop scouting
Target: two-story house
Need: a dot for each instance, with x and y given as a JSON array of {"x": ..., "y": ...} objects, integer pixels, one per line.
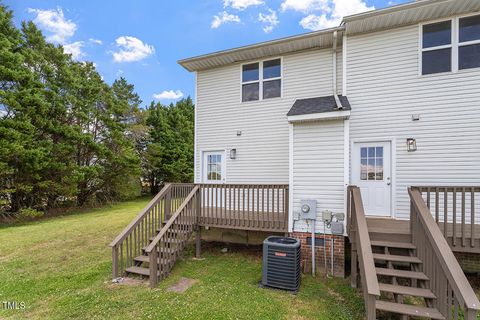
[{"x": 387, "y": 103}]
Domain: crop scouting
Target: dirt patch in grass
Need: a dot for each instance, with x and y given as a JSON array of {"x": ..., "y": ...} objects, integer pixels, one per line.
[{"x": 182, "y": 285}]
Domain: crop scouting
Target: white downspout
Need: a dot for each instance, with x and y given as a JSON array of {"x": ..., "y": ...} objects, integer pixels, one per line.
[{"x": 337, "y": 100}]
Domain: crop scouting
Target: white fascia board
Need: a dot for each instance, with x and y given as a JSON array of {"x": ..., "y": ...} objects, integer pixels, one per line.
[{"x": 341, "y": 114}]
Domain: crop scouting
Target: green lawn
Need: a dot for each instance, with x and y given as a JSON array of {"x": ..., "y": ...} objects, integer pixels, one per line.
[{"x": 61, "y": 268}]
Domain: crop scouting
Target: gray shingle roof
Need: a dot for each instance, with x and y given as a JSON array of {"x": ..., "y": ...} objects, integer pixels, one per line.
[{"x": 317, "y": 105}]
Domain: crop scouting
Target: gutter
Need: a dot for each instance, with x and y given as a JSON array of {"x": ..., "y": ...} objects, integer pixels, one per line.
[
  {"x": 337, "y": 100},
  {"x": 392, "y": 9}
]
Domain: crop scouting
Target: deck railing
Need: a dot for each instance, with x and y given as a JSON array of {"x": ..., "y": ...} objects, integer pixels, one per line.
[
  {"x": 362, "y": 255},
  {"x": 165, "y": 248},
  {"x": 456, "y": 213},
  {"x": 447, "y": 280},
  {"x": 245, "y": 206},
  {"x": 137, "y": 235}
]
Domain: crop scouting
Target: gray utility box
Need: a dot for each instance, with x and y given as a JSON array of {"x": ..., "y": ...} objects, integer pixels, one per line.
[
  {"x": 281, "y": 263},
  {"x": 337, "y": 227},
  {"x": 308, "y": 209}
]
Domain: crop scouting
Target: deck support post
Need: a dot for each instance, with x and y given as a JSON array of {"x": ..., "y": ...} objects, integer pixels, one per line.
[
  {"x": 354, "y": 267},
  {"x": 114, "y": 262},
  {"x": 371, "y": 307},
  {"x": 198, "y": 242},
  {"x": 198, "y": 234},
  {"x": 153, "y": 265}
]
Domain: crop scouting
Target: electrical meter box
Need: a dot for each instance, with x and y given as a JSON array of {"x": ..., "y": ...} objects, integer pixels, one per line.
[
  {"x": 308, "y": 209},
  {"x": 337, "y": 227}
]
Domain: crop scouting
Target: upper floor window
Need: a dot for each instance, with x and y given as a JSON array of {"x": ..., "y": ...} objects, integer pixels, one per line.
[
  {"x": 261, "y": 80},
  {"x": 437, "y": 47},
  {"x": 469, "y": 43},
  {"x": 451, "y": 45}
]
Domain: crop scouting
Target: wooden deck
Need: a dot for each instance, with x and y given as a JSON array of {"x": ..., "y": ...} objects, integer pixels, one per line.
[
  {"x": 399, "y": 230},
  {"x": 243, "y": 220},
  {"x": 244, "y": 207}
]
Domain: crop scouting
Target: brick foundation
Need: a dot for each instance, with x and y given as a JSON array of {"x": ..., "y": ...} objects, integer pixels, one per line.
[
  {"x": 338, "y": 254},
  {"x": 470, "y": 262}
]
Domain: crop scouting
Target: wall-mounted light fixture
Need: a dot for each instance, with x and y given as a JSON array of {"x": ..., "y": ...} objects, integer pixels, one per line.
[
  {"x": 233, "y": 153},
  {"x": 239, "y": 133},
  {"x": 411, "y": 145}
]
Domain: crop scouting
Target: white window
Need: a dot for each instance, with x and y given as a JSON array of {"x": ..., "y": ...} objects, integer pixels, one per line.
[
  {"x": 371, "y": 163},
  {"x": 469, "y": 42},
  {"x": 450, "y": 45},
  {"x": 214, "y": 166},
  {"x": 437, "y": 47},
  {"x": 261, "y": 80}
]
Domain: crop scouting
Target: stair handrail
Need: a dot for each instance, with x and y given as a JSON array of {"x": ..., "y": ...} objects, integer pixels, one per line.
[
  {"x": 362, "y": 247},
  {"x": 131, "y": 226},
  {"x": 151, "y": 250},
  {"x": 165, "y": 228},
  {"x": 430, "y": 232}
]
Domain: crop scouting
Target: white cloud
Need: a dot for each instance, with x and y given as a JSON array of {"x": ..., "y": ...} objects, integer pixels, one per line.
[
  {"x": 131, "y": 49},
  {"x": 95, "y": 41},
  {"x": 270, "y": 21},
  {"x": 168, "y": 95},
  {"x": 333, "y": 15},
  {"x": 3, "y": 113},
  {"x": 241, "y": 4},
  {"x": 305, "y": 5},
  {"x": 224, "y": 17},
  {"x": 55, "y": 23},
  {"x": 75, "y": 49}
]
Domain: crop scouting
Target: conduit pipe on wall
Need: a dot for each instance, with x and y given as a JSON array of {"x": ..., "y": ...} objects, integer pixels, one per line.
[{"x": 337, "y": 100}]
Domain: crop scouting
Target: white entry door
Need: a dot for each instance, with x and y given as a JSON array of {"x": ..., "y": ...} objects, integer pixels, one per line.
[
  {"x": 371, "y": 172},
  {"x": 214, "y": 167}
]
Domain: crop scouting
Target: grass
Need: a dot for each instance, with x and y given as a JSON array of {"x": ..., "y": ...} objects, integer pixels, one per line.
[{"x": 61, "y": 268}]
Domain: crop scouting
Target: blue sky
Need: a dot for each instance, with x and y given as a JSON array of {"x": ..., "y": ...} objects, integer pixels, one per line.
[{"x": 143, "y": 39}]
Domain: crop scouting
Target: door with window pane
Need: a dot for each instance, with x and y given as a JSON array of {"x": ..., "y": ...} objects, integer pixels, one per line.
[
  {"x": 371, "y": 172},
  {"x": 214, "y": 167}
]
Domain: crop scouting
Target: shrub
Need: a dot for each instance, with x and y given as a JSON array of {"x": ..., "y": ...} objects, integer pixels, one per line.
[{"x": 29, "y": 214}]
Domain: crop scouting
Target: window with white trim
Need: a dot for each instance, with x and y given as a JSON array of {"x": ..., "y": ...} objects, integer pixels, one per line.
[
  {"x": 451, "y": 45},
  {"x": 469, "y": 42},
  {"x": 437, "y": 47},
  {"x": 266, "y": 84}
]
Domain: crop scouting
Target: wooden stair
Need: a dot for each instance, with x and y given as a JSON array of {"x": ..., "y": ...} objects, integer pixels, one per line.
[
  {"x": 409, "y": 310},
  {"x": 166, "y": 256},
  {"x": 399, "y": 275},
  {"x": 406, "y": 267}
]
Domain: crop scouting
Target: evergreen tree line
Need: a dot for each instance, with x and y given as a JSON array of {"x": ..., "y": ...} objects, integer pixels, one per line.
[{"x": 67, "y": 138}]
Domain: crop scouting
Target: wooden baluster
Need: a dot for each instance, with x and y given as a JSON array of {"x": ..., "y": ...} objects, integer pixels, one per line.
[
  {"x": 249, "y": 223},
  {"x": 258, "y": 206},
  {"x": 229, "y": 213},
  {"x": 437, "y": 218},
  {"x": 244, "y": 212},
  {"x": 428, "y": 198},
  {"x": 454, "y": 217},
  {"x": 463, "y": 218},
  {"x": 122, "y": 260},
  {"x": 267, "y": 215},
  {"x": 286, "y": 209},
  {"x": 472, "y": 218},
  {"x": 263, "y": 207},
  {"x": 445, "y": 213},
  {"x": 216, "y": 205}
]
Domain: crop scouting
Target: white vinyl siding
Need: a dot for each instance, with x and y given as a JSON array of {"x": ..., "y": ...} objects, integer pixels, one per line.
[
  {"x": 318, "y": 168},
  {"x": 385, "y": 90},
  {"x": 262, "y": 148}
]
